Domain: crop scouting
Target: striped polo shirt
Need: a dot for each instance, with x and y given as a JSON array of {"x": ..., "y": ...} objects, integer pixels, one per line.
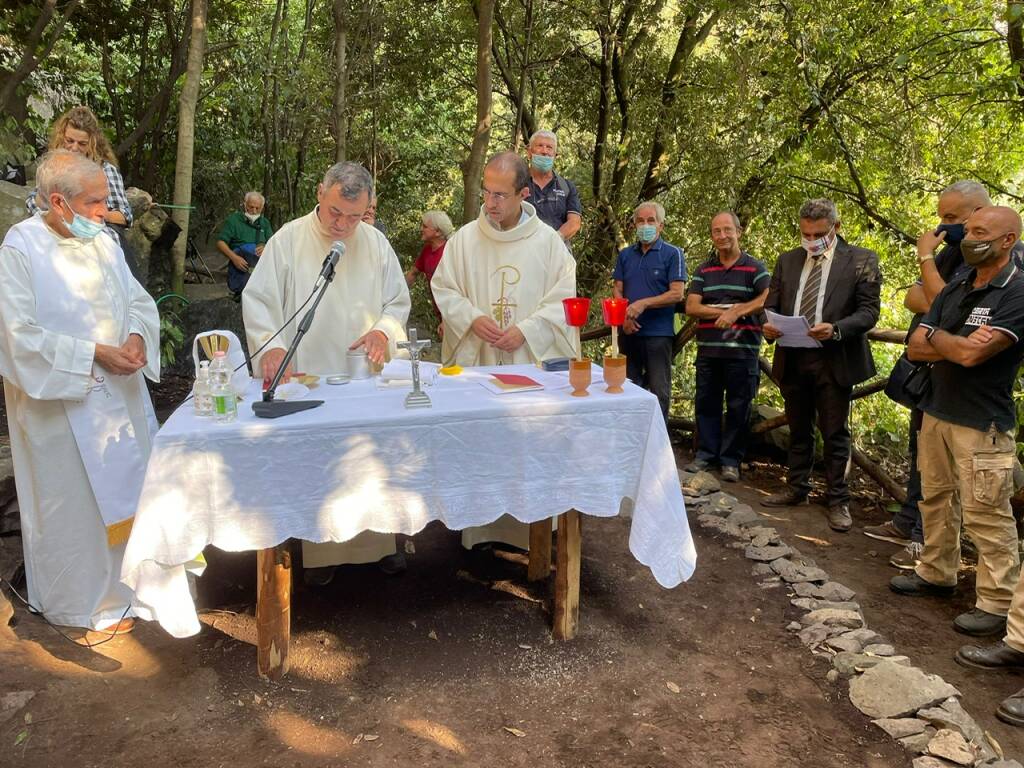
[{"x": 725, "y": 286}]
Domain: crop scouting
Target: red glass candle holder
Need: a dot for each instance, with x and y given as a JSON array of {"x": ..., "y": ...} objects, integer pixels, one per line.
[
  {"x": 576, "y": 311},
  {"x": 614, "y": 311}
]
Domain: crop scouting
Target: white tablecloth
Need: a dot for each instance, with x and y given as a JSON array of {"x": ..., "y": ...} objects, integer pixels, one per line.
[{"x": 362, "y": 461}]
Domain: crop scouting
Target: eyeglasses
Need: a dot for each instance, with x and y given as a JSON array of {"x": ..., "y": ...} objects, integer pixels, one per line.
[{"x": 499, "y": 196}]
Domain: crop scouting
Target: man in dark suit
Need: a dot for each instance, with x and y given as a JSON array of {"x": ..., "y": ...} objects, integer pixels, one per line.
[{"x": 836, "y": 286}]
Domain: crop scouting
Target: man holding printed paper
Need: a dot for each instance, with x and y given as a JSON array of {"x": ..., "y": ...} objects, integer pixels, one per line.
[
  {"x": 835, "y": 286},
  {"x": 77, "y": 335},
  {"x": 500, "y": 287}
]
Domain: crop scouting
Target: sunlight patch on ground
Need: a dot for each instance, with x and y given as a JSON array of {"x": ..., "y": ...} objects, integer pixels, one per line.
[
  {"x": 307, "y": 738},
  {"x": 439, "y": 734}
]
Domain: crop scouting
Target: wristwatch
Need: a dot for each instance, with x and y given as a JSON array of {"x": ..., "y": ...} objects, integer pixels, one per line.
[
  {"x": 927, "y": 257},
  {"x": 836, "y": 334}
]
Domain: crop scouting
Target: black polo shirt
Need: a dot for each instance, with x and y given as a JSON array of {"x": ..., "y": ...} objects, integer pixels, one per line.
[
  {"x": 555, "y": 201},
  {"x": 980, "y": 396},
  {"x": 738, "y": 284}
]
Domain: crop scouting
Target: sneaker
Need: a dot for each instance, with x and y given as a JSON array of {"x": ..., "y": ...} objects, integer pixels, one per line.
[
  {"x": 731, "y": 474},
  {"x": 979, "y": 623},
  {"x": 839, "y": 519},
  {"x": 908, "y": 557},
  {"x": 697, "y": 465},
  {"x": 887, "y": 531},
  {"x": 787, "y": 498}
]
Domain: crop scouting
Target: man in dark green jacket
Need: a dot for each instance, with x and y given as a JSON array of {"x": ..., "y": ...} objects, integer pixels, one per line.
[{"x": 242, "y": 239}]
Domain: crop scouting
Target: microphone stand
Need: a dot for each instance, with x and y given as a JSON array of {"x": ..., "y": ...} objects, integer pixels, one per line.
[{"x": 270, "y": 408}]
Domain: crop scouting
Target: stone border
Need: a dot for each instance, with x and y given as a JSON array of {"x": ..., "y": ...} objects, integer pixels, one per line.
[{"x": 922, "y": 712}]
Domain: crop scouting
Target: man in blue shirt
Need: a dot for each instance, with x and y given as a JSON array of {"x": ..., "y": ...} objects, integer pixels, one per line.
[{"x": 652, "y": 275}]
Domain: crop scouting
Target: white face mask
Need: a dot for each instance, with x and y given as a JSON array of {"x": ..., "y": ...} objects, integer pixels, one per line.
[
  {"x": 252, "y": 217},
  {"x": 819, "y": 245}
]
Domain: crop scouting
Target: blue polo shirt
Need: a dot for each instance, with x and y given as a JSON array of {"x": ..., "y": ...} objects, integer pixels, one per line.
[{"x": 649, "y": 274}]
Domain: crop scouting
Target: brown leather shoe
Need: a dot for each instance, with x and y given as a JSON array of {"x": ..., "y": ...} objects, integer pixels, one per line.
[
  {"x": 839, "y": 518},
  {"x": 786, "y": 498},
  {"x": 1012, "y": 709},
  {"x": 998, "y": 656},
  {"x": 121, "y": 628}
]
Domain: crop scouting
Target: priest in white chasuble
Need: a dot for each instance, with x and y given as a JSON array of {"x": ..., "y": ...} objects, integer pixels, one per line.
[
  {"x": 500, "y": 287},
  {"x": 365, "y": 307},
  {"x": 77, "y": 335}
]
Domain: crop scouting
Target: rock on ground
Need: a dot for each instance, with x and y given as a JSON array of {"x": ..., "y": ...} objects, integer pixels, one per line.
[
  {"x": 11, "y": 702},
  {"x": 767, "y": 554},
  {"x": 951, "y": 715},
  {"x": 794, "y": 573},
  {"x": 893, "y": 690},
  {"x": 831, "y": 590},
  {"x": 900, "y": 727},
  {"x": 951, "y": 746},
  {"x": 703, "y": 483},
  {"x": 849, "y": 664},
  {"x": 833, "y": 617}
]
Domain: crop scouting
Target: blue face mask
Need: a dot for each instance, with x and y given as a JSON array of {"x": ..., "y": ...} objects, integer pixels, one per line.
[
  {"x": 954, "y": 232},
  {"x": 542, "y": 163},
  {"x": 647, "y": 233},
  {"x": 81, "y": 226}
]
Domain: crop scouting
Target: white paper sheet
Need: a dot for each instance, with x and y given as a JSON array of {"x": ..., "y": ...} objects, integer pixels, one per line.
[{"x": 794, "y": 330}]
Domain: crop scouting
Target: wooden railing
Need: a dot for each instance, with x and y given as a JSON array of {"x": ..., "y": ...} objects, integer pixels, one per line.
[{"x": 869, "y": 467}]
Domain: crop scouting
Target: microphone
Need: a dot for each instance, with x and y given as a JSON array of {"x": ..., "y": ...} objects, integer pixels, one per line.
[{"x": 331, "y": 260}]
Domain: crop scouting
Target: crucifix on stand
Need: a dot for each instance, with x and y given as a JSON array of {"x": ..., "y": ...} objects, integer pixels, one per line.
[{"x": 417, "y": 398}]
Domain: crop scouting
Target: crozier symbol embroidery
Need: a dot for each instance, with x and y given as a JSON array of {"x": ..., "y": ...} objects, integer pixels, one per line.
[{"x": 504, "y": 306}]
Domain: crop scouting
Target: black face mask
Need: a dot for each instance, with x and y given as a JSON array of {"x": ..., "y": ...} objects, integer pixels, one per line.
[
  {"x": 979, "y": 251},
  {"x": 954, "y": 232}
]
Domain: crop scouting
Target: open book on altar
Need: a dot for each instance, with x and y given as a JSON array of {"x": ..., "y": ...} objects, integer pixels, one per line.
[{"x": 504, "y": 383}]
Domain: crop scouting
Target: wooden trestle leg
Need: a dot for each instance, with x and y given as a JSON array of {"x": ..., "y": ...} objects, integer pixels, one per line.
[{"x": 273, "y": 610}]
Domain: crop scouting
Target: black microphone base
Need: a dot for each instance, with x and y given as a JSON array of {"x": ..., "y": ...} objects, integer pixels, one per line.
[{"x": 277, "y": 408}]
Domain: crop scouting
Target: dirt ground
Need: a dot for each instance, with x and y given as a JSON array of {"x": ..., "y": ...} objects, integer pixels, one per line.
[
  {"x": 921, "y": 628},
  {"x": 453, "y": 663}
]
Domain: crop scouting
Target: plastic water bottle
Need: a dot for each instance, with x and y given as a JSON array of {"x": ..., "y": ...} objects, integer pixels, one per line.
[
  {"x": 202, "y": 396},
  {"x": 225, "y": 406}
]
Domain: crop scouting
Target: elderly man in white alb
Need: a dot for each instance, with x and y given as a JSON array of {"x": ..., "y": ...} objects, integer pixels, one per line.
[
  {"x": 366, "y": 307},
  {"x": 500, "y": 287},
  {"x": 77, "y": 335}
]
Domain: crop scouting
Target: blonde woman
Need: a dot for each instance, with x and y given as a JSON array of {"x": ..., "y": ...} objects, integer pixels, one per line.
[{"x": 79, "y": 131}]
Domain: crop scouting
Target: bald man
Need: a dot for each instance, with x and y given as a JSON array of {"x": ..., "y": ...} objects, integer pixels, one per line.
[
  {"x": 973, "y": 335},
  {"x": 940, "y": 260}
]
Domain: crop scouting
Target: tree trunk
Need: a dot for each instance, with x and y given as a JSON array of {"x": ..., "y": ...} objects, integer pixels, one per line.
[
  {"x": 519, "y": 130},
  {"x": 689, "y": 38},
  {"x": 269, "y": 75},
  {"x": 186, "y": 140},
  {"x": 341, "y": 81},
  {"x": 29, "y": 59},
  {"x": 473, "y": 167}
]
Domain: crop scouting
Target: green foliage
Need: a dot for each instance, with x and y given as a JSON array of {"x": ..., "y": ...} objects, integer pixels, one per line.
[
  {"x": 703, "y": 104},
  {"x": 172, "y": 335}
]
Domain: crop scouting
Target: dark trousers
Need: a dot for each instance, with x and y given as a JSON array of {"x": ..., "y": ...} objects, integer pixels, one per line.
[
  {"x": 812, "y": 394},
  {"x": 649, "y": 365},
  {"x": 908, "y": 518},
  {"x": 736, "y": 379}
]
